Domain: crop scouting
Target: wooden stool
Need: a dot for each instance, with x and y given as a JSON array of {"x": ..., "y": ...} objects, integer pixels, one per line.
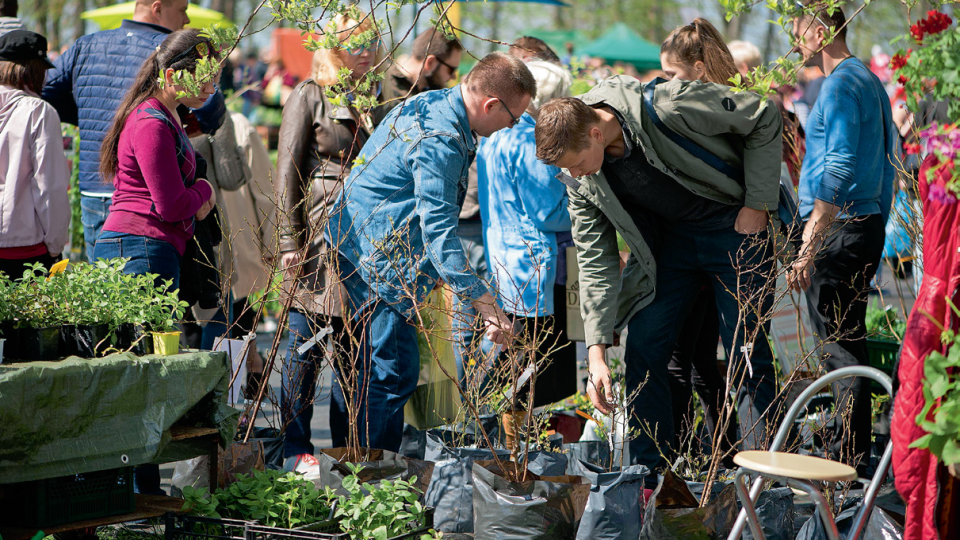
[{"x": 796, "y": 471}]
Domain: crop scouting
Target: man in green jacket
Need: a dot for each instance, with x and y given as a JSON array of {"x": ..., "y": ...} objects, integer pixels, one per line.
[{"x": 688, "y": 173}]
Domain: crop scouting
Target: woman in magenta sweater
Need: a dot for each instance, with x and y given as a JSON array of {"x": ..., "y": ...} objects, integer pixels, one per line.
[{"x": 153, "y": 165}]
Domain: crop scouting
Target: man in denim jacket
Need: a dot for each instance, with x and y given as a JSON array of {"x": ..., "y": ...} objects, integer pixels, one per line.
[{"x": 395, "y": 227}]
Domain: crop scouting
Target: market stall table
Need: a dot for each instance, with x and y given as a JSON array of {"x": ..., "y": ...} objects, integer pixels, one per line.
[{"x": 83, "y": 415}]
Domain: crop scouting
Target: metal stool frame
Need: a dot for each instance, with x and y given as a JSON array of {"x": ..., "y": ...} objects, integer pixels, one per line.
[{"x": 751, "y": 497}]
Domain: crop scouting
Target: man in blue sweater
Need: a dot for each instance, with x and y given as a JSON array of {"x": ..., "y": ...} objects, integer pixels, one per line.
[
  {"x": 846, "y": 189},
  {"x": 90, "y": 80}
]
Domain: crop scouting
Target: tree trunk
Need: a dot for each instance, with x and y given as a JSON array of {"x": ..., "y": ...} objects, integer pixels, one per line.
[
  {"x": 40, "y": 16},
  {"x": 558, "y": 19},
  {"x": 230, "y": 9},
  {"x": 768, "y": 42},
  {"x": 79, "y": 26},
  {"x": 495, "y": 24}
]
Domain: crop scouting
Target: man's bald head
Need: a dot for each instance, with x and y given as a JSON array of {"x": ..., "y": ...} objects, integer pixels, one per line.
[{"x": 170, "y": 14}]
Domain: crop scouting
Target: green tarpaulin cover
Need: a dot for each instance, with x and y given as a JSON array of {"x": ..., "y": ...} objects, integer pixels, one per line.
[{"x": 80, "y": 415}]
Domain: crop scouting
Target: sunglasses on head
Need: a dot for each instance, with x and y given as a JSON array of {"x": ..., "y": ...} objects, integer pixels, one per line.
[
  {"x": 202, "y": 49},
  {"x": 802, "y": 7},
  {"x": 372, "y": 46}
]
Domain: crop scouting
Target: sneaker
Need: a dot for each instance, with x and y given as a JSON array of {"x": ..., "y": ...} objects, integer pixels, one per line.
[{"x": 305, "y": 464}]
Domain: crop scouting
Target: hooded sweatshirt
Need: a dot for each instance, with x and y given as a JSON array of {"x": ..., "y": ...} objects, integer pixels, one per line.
[{"x": 34, "y": 208}]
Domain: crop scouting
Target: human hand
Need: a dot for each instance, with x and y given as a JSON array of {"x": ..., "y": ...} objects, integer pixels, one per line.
[
  {"x": 208, "y": 205},
  {"x": 498, "y": 326},
  {"x": 599, "y": 381},
  {"x": 290, "y": 261},
  {"x": 750, "y": 221},
  {"x": 800, "y": 272}
]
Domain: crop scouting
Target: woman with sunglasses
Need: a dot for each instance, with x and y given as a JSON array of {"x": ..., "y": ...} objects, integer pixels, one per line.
[
  {"x": 318, "y": 143},
  {"x": 697, "y": 51},
  {"x": 157, "y": 196}
]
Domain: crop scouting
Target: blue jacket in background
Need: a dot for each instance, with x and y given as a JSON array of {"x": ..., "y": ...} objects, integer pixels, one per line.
[
  {"x": 396, "y": 219},
  {"x": 89, "y": 81},
  {"x": 850, "y": 140},
  {"x": 523, "y": 207}
]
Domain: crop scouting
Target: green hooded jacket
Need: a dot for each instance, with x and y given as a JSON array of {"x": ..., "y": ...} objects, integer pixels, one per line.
[{"x": 740, "y": 128}]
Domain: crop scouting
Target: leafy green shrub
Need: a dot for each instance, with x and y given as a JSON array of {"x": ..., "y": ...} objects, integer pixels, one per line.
[
  {"x": 379, "y": 512},
  {"x": 941, "y": 391},
  {"x": 272, "y": 498},
  {"x": 885, "y": 323}
]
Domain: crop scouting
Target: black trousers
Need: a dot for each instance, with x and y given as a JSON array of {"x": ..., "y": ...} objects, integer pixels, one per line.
[
  {"x": 13, "y": 268},
  {"x": 693, "y": 366},
  {"x": 837, "y": 300}
]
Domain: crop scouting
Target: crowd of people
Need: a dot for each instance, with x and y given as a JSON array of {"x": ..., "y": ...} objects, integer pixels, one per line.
[{"x": 481, "y": 186}]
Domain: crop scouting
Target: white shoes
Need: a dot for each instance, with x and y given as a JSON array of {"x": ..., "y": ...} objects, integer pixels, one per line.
[{"x": 305, "y": 464}]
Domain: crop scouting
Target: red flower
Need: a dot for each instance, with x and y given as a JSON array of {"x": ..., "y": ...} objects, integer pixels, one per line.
[
  {"x": 898, "y": 61},
  {"x": 935, "y": 23},
  {"x": 917, "y": 32},
  {"x": 902, "y": 80},
  {"x": 911, "y": 148}
]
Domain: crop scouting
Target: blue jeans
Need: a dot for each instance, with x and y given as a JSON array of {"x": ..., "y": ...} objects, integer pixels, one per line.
[
  {"x": 147, "y": 255},
  {"x": 93, "y": 214},
  {"x": 688, "y": 253},
  {"x": 299, "y": 384},
  {"x": 387, "y": 364},
  {"x": 468, "y": 340}
]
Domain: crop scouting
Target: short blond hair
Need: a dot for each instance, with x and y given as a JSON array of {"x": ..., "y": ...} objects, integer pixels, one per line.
[
  {"x": 326, "y": 62},
  {"x": 563, "y": 126},
  {"x": 745, "y": 53}
]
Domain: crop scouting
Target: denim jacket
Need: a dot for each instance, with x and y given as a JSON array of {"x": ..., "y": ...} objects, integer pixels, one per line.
[
  {"x": 523, "y": 207},
  {"x": 396, "y": 219}
]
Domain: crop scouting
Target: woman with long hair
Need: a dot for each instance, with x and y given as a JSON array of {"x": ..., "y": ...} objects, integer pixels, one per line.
[
  {"x": 147, "y": 152},
  {"x": 318, "y": 143},
  {"x": 697, "y": 51},
  {"x": 156, "y": 193},
  {"x": 34, "y": 210}
]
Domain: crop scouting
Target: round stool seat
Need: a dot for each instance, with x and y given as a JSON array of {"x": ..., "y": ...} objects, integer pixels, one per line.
[{"x": 795, "y": 466}]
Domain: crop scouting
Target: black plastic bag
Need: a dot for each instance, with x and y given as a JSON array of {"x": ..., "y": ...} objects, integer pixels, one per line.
[
  {"x": 272, "y": 441},
  {"x": 548, "y": 507},
  {"x": 880, "y": 526},
  {"x": 451, "y": 487},
  {"x": 672, "y": 513},
  {"x": 776, "y": 513},
  {"x": 613, "y": 509},
  {"x": 593, "y": 452},
  {"x": 546, "y": 463},
  {"x": 378, "y": 465},
  {"x": 414, "y": 441}
]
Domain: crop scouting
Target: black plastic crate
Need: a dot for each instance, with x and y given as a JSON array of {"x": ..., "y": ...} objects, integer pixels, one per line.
[
  {"x": 184, "y": 527},
  {"x": 65, "y": 499}
]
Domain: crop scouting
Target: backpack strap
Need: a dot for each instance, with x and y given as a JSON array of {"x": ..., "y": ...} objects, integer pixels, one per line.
[{"x": 691, "y": 147}]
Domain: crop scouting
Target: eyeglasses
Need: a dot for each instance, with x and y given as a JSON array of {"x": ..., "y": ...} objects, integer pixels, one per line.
[
  {"x": 802, "y": 7},
  {"x": 372, "y": 46},
  {"x": 202, "y": 49},
  {"x": 454, "y": 70},
  {"x": 513, "y": 119}
]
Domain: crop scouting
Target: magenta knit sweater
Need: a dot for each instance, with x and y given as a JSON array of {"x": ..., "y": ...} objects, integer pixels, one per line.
[{"x": 155, "y": 163}]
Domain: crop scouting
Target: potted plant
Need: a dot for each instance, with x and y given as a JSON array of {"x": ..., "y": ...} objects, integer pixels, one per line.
[
  {"x": 39, "y": 314},
  {"x": 163, "y": 310},
  {"x": 88, "y": 308}
]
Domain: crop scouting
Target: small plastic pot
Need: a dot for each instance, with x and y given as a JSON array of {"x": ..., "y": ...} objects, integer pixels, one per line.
[
  {"x": 40, "y": 343},
  {"x": 11, "y": 334},
  {"x": 92, "y": 339},
  {"x": 134, "y": 338},
  {"x": 166, "y": 343}
]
